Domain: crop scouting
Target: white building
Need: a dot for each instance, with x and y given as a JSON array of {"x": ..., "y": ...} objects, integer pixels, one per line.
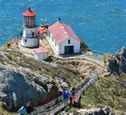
[
  {"x": 63, "y": 39},
  {"x": 29, "y": 35},
  {"x": 41, "y": 54}
]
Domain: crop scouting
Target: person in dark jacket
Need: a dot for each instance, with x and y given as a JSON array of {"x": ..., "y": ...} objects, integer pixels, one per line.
[{"x": 29, "y": 108}]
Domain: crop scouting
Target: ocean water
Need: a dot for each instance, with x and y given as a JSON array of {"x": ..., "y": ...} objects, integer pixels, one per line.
[{"x": 101, "y": 23}]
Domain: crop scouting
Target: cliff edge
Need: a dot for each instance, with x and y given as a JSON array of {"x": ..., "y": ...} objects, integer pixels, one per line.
[
  {"x": 23, "y": 79},
  {"x": 117, "y": 63}
]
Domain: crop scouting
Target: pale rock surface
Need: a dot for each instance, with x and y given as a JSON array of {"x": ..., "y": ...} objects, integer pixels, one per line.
[{"x": 17, "y": 89}]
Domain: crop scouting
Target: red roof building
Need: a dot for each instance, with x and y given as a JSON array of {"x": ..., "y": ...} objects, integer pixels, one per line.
[
  {"x": 61, "y": 32},
  {"x": 41, "y": 53},
  {"x": 63, "y": 39},
  {"x": 41, "y": 30},
  {"x": 29, "y": 13}
]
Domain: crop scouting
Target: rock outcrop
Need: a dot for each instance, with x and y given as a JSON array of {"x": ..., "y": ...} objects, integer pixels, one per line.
[
  {"x": 17, "y": 89},
  {"x": 117, "y": 64},
  {"x": 95, "y": 111},
  {"x": 84, "y": 47},
  {"x": 23, "y": 79}
]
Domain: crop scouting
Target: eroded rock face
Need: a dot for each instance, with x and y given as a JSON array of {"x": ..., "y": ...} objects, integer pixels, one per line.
[
  {"x": 117, "y": 64},
  {"x": 17, "y": 89},
  {"x": 97, "y": 111}
]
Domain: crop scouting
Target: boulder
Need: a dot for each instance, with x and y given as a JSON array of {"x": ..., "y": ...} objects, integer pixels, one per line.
[
  {"x": 84, "y": 47},
  {"x": 17, "y": 89},
  {"x": 117, "y": 64}
]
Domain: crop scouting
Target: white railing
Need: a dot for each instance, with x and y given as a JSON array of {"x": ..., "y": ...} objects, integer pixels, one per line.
[
  {"x": 89, "y": 83},
  {"x": 44, "y": 108},
  {"x": 59, "y": 106},
  {"x": 92, "y": 58}
]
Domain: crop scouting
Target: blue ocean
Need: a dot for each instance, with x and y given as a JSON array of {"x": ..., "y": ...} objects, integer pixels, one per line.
[{"x": 100, "y": 23}]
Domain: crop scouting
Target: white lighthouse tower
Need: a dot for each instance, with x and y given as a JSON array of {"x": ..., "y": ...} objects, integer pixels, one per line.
[{"x": 29, "y": 35}]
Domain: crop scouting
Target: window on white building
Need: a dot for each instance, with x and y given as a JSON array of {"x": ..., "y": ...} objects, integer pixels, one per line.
[
  {"x": 33, "y": 34},
  {"x": 25, "y": 40},
  {"x": 68, "y": 41},
  {"x": 49, "y": 34},
  {"x": 53, "y": 39}
]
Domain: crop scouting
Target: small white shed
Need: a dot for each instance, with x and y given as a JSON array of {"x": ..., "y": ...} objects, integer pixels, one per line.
[{"x": 41, "y": 53}]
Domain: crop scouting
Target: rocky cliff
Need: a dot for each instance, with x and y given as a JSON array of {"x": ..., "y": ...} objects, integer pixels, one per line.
[
  {"x": 23, "y": 79},
  {"x": 117, "y": 63},
  {"x": 17, "y": 89}
]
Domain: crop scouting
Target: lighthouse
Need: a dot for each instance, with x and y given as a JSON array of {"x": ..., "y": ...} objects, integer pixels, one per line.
[{"x": 29, "y": 37}]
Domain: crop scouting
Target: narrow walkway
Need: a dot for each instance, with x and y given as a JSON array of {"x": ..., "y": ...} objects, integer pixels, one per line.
[
  {"x": 44, "y": 43},
  {"x": 92, "y": 58},
  {"x": 57, "y": 104}
]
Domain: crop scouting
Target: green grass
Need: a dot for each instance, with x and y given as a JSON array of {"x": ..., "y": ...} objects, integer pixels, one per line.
[
  {"x": 106, "y": 91},
  {"x": 17, "y": 59},
  {"x": 4, "y": 111}
]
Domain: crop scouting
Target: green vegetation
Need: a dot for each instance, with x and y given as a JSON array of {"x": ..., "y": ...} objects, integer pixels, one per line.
[
  {"x": 17, "y": 59},
  {"x": 107, "y": 91},
  {"x": 71, "y": 71},
  {"x": 4, "y": 112}
]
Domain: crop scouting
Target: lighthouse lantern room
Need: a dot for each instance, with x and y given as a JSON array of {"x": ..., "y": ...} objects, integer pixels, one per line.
[{"x": 29, "y": 35}]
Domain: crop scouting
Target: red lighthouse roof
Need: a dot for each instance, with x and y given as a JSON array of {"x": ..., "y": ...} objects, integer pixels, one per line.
[{"x": 29, "y": 13}]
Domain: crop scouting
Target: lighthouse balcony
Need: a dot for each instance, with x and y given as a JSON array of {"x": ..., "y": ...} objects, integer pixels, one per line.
[
  {"x": 30, "y": 26},
  {"x": 29, "y": 36},
  {"x": 32, "y": 36}
]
